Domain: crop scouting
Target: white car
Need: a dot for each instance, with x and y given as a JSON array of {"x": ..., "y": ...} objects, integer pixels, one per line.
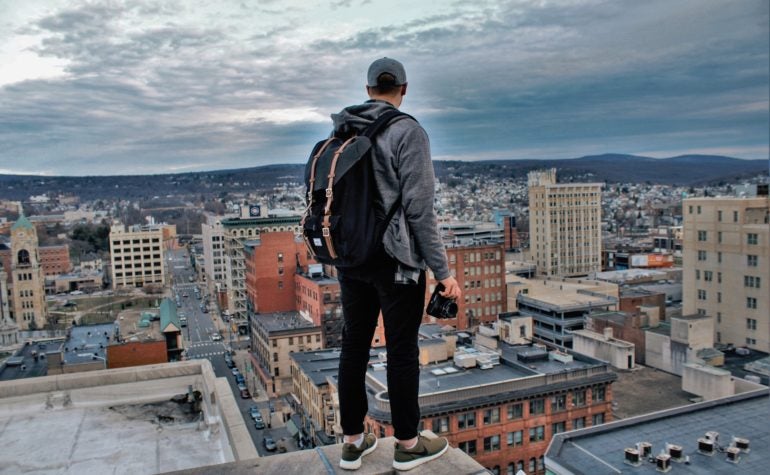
[{"x": 216, "y": 337}]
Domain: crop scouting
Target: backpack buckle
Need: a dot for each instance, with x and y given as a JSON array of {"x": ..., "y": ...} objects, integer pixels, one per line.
[
  {"x": 325, "y": 232},
  {"x": 329, "y": 192}
]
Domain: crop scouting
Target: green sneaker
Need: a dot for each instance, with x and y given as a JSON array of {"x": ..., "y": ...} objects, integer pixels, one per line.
[
  {"x": 424, "y": 451},
  {"x": 352, "y": 455}
]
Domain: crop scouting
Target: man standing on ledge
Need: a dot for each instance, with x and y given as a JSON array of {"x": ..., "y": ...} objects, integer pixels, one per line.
[{"x": 394, "y": 280}]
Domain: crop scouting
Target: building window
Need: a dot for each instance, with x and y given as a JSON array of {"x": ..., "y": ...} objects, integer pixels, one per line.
[
  {"x": 701, "y": 294},
  {"x": 697, "y": 274},
  {"x": 752, "y": 260},
  {"x": 578, "y": 423},
  {"x": 466, "y": 420},
  {"x": 536, "y": 434},
  {"x": 515, "y": 438},
  {"x": 751, "y": 323},
  {"x": 579, "y": 397},
  {"x": 440, "y": 424},
  {"x": 558, "y": 427},
  {"x": 702, "y": 255},
  {"x": 702, "y": 235},
  {"x": 751, "y": 341},
  {"x": 492, "y": 416},
  {"x": 719, "y": 215},
  {"x": 280, "y": 284},
  {"x": 719, "y": 257},
  {"x": 469, "y": 447},
  {"x": 515, "y": 411},
  {"x": 536, "y": 406},
  {"x": 597, "y": 419},
  {"x": 558, "y": 402},
  {"x": 751, "y": 302},
  {"x": 280, "y": 271},
  {"x": 751, "y": 281},
  {"x": 719, "y": 237},
  {"x": 598, "y": 393},
  {"x": 491, "y": 443},
  {"x": 752, "y": 239},
  {"x": 699, "y": 209},
  {"x": 708, "y": 275},
  {"x": 280, "y": 257}
]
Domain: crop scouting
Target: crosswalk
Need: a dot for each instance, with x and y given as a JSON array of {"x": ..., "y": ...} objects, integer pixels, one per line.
[{"x": 201, "y": 356}]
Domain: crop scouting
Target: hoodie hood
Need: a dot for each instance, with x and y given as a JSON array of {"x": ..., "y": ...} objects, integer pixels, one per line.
[{"x": 357, "y": 118}]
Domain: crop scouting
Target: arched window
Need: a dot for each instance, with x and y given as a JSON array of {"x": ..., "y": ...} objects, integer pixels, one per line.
[
  {"x": 23, "y": 257},
  {"x": 532, "y": 465}
]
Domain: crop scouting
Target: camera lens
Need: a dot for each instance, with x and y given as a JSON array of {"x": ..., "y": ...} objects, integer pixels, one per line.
[{"x": 450, "y": 309}]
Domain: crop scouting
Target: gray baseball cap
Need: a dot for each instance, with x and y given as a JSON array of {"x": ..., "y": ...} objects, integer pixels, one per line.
[{"x": 382, "y": 66}]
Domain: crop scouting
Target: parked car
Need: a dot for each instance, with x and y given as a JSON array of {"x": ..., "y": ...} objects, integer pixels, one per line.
[
  {"x": 245, "y": 393},
  {"x": 259, "y": 424},
  {"x": 242, "y": 386},
  {"x": 235, "y": 371},
  {"x": 269, "y": 444},
  {"x": 239, "y": 379},
  {"x": 230, "y": 364},
  {"x": 254, "y": 413}
]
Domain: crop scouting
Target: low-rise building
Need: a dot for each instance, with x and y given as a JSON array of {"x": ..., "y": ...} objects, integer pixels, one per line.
[{"x": 274, "y": 337}]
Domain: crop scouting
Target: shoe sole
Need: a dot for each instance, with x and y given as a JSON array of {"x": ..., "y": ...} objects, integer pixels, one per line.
[
  {"x": 356, "y": 464},
  {"x": 404, "y": 466}
]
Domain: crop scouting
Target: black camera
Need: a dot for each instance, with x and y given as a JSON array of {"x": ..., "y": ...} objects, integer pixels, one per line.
[{"x": 440, "y": 306}]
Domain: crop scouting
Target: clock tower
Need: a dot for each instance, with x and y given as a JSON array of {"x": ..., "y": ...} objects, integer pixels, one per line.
[{"x": 29, "y": 308}]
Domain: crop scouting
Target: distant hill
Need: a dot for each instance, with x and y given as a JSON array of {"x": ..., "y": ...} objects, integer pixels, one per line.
[{"x": 689, "y": 170}]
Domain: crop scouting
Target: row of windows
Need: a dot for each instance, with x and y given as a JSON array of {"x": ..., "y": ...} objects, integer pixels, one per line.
[
  {"x": 137, "y": 274},
  {"x": 119, "y": 250},
  {"x": 476, "y": 257},
  {"x": 752, "y": 239},
  {"x": 26, "y": 293},
  {"x": 476, "y": 284},
  {"x": 477, "y": 270},
  {"x": 535, "y": 434},
  {"x": 128, "y": 242}
]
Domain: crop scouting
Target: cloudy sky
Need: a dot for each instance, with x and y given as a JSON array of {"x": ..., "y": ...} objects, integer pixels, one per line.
[{"x": 144, "y": 86}]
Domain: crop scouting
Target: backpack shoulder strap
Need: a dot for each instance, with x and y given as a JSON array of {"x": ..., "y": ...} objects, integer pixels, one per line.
[{"x": 383, "y": 121}]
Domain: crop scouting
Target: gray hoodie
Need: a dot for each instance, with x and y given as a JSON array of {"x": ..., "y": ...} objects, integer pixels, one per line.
[{"x": 402, "y": 164}]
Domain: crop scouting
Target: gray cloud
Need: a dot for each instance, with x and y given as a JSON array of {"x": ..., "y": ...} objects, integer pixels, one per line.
[{"x": 488, "y": 79}]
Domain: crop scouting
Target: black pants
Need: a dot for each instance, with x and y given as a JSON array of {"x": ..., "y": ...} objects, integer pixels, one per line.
[{"x": 365, "y": 291}]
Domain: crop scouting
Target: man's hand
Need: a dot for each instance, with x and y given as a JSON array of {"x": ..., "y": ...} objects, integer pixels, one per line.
[{"x": 451, "y": 288}]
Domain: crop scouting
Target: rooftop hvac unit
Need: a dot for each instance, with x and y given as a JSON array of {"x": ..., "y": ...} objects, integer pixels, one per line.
[
  {"x": 713, "y": 436},
  {"x": 676, "y": 452},
  {"x": 645, "y": 449},
  {"x": 742, "y": 444},
  {"x": 663, "y": 463},
  {"x": 632, "y": 457},
  {"x": 706, "y": 446},
  {"x": 733, "y": 454}
]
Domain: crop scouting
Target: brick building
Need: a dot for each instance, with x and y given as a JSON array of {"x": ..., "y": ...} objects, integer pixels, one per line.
[
  {"x": 55, "y": 260},
  {"x": 480, "y": 272},
  {"x": 505, "y": 417},
  {"x": 630, "y": 327},
  {"x": 135, "y": 353}
]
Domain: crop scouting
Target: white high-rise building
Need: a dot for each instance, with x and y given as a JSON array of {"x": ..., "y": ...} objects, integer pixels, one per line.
[
  {"x": 726, "y": 267},
  {"x": 564, "y": 225},
  {"x": 136, "y": 255},
  {"x": 214, "y": 252}
]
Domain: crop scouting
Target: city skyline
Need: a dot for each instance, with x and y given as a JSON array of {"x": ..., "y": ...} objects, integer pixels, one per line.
[{"x": 105, "y": 88}]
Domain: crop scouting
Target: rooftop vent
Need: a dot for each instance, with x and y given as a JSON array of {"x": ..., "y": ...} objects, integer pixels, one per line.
[
  {"x": 632, "y": 457},
  {"x": 663, "y": 463},
  {"x": 676, "y": 452},
  {"x": 645, "y": 449},
  {"x": 706, "y": 446},
  {"x": 733, "y": 454},
  {"x": 742, "y": 444}
]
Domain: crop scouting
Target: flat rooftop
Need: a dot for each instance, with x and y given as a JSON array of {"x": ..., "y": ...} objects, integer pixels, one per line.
[
  {"x": 275, "y": 322},
  {"x": 600, "y": 450},
  {"x": 120, "y": 421},
  {"x": 88, "y": 343},
  {"x": 24, "y": 365},
  {"x": 317, "y": 365}
]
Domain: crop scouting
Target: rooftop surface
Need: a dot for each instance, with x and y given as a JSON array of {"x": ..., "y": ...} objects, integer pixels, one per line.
[
  {"x": 119, "y": 422},
  {"x": 317, "y": 365},
  {"x": 645, "y": 390},
  {"x": 274, "y": 322},
  {"x": 130, "y": 329},
  {"x": 600, "y": 450},
  {"x": 25, "y": 365},
  {"x": 88, "y": 343}
]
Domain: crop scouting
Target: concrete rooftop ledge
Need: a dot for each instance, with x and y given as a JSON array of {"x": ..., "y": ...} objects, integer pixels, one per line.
[{"x": 325, "y": 461}]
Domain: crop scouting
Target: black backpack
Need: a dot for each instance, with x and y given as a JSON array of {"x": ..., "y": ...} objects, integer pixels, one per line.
[{"x": 341, "y": 224}]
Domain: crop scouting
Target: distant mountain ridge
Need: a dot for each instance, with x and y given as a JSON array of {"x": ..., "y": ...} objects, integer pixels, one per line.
[{"x": 687, "y": 170}]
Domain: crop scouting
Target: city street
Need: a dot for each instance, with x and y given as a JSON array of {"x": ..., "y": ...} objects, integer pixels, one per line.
[{"x": 199, "y": 337}]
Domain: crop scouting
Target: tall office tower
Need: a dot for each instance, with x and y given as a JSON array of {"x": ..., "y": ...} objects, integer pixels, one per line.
[
  {"x": 726, "y": 265},
  {"x": 136, "y": 255},
  {"x": 237, "y": 232},
  {"x": 9, "y": 331},
  {"x": 564, "y": 225},
  {"x": 29, "y": 308},
  {"x": 214, "y": 253}
]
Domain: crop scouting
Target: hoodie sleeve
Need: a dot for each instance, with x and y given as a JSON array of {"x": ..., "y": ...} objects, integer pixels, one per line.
[{"x": 417, "y": 181}]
